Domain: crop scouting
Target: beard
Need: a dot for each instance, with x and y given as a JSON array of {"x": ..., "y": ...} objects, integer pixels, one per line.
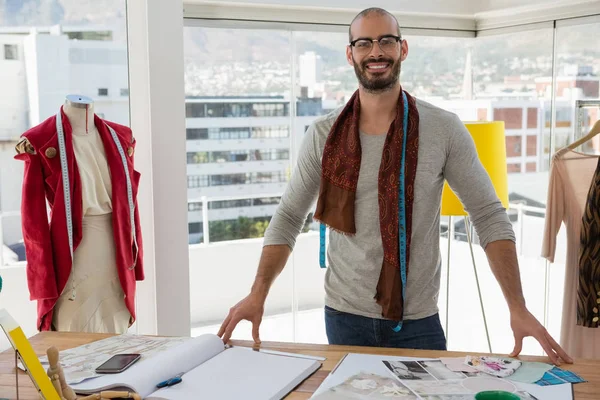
[{"x": 377, "y": 83}]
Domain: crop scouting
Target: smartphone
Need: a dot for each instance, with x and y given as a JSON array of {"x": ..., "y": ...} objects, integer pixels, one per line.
[{"x": 118, "y": 363}]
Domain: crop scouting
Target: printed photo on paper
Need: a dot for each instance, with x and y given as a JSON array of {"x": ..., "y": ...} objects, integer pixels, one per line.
[{"x": 408, "y": 370}]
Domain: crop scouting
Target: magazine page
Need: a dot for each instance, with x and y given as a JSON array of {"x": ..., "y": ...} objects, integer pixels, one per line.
[
  {"x": 144, "y": 375},
  {"x": 364, "y": 376}
]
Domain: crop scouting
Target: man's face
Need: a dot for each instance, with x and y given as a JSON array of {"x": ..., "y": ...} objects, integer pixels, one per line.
[{"x": 377, "y": 69}]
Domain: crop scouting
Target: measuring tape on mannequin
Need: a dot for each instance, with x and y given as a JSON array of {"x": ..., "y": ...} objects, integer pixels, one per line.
[
  {"x": 401, "y": 215},
  {"x": 67, "y": 191}
]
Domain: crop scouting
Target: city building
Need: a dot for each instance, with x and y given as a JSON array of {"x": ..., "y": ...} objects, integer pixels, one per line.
[
  {"x": 240, "y": 150},
  {"x": 38, "y": 68},
  {"x": 239, "y": 155}
]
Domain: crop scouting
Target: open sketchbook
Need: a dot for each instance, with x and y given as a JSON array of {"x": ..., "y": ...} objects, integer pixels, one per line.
[
  {"x": 364, "y": 376},
  {"x": 210, "y": 371}
]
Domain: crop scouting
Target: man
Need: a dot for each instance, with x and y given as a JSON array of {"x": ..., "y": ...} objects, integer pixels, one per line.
[{"x": 376, "y": 168}]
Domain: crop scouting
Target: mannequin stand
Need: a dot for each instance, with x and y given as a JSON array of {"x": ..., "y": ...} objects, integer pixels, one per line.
[{"x": 17, "y": 357}]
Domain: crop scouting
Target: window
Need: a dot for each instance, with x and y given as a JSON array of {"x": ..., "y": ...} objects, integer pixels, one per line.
[
  {"x": 217, "y": 205},
  {"x": 194, "y": 110},
  {"x": 199, "y": 157},
  {"x": 240, "y": 106},
  {"x": 102, "y": 92},
  {"x": 270, "y": 132},
  {"x": 11, "y": 52},
  {"x": 324, "y": 81},
  {"x": 266, "y": 201},
  {"x": 196, "y": 133},
  {"x": 196, "y": 181},
  {"x": 30, "y": 96},
  {"x": 195, "y": 227},
  {"x": 220, "y": 156},
  {"x": 194, "y": 206},
  {"x": 229, "y": 179},
  {"x": 61, "y": 74},
  {"x": 510, "y": 72}
]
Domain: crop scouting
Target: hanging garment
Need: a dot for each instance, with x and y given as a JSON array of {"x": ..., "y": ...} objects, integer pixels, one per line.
[
  {"x": 588, "y": 291},
  {"x": 48, "y": 242},
  {"x": 571, "y": 175}
]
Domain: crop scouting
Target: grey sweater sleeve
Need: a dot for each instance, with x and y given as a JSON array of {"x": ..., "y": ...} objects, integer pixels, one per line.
[
  {"x": 300, "y": 193},
  {"x": 471, "y": 183}
]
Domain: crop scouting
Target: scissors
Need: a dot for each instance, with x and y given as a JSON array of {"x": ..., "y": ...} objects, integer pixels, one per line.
[{"x": 170, "y": 382}]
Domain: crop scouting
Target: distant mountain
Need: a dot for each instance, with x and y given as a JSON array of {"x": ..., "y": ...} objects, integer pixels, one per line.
[
  {"x": 221, "y": 61},
  {"x": 30, "y": 12},
  {"x": 109, "y": 13}
]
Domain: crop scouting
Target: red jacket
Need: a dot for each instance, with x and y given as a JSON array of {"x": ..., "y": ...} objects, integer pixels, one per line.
[{"x": 47, "y": 243}]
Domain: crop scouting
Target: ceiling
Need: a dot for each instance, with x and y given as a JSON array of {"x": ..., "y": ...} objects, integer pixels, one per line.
[
  {"x": 462, "y": 8},
  {"x": 460, "y": 15}
]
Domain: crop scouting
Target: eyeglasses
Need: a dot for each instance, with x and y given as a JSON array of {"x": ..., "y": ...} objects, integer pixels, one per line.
[{"x": 386, "y": 43}]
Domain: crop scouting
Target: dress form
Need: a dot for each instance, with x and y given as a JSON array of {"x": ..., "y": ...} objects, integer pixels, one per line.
[
  {"x": 80, "y": 111},
  {"x": 99, "y": 304}
]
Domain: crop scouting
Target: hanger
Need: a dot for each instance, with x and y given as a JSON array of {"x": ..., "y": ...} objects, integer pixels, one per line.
[{"x": 595, "y": 131}]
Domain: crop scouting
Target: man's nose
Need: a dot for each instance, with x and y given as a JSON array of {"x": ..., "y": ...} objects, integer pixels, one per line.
[{"x": 376, "y": 50}]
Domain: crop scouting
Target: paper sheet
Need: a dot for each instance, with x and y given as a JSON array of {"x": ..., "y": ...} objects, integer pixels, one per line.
[
  {"x": 80, "y": 363},
  {"x": 237, "y": 373},
  {"x": 457, "y": 364},
  {"x": 530, "y": 372},
  {"x": 143, "y": 376},
  {"x": 421, "y": 386}
]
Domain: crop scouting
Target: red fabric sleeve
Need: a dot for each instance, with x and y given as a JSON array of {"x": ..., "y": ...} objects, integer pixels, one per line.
[{"x": 41, "y": 277}]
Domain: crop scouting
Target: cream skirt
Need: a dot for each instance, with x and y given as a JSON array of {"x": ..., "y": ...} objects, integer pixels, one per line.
[{"x": 99, "y": 305}]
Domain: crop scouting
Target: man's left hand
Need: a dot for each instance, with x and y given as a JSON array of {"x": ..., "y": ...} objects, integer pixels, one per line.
[{"x": 523, "y": 324}]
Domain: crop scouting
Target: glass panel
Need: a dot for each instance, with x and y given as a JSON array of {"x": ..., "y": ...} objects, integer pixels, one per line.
[
  {"x": 237, "y": 117},
  {"x": 79, "y": 48},
  {"x": 504, "y": 77},
  {"x": 510, "y": 73},
  {"x": 433, "y": 71},
  {"x": 578, "y": 71}
]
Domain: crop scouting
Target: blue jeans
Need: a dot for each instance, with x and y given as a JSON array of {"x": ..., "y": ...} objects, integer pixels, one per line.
[{"x": 354, "y": 330}]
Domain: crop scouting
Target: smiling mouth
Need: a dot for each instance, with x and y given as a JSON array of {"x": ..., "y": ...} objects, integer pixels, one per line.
[{"x": 377, "y": 67}]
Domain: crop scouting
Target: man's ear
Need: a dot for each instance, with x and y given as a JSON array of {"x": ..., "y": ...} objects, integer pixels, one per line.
[
  {"x": 404, "y": 50},
  {"x": 349, "y": 55}
]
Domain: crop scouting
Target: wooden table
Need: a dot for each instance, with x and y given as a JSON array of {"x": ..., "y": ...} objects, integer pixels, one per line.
[{"x": 588, "y": 369}]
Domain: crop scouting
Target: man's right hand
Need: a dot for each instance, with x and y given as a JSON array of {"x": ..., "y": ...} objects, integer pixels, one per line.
[{"x": 251, "y": 308}]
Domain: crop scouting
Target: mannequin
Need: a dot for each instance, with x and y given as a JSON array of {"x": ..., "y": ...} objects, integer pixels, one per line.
[
  {"x": 98, "y": 303},
  {"x": 82, "y": 268}
]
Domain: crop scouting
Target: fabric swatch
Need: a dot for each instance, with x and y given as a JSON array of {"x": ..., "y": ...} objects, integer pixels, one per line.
[
  {"x": 495, "y": 366},
  {"x": 530, "y": 372},
  {"x": 558, "y": 376}
]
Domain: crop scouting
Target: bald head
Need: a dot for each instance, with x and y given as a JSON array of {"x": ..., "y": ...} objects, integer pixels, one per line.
[{"x": 372, "y": 12}]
